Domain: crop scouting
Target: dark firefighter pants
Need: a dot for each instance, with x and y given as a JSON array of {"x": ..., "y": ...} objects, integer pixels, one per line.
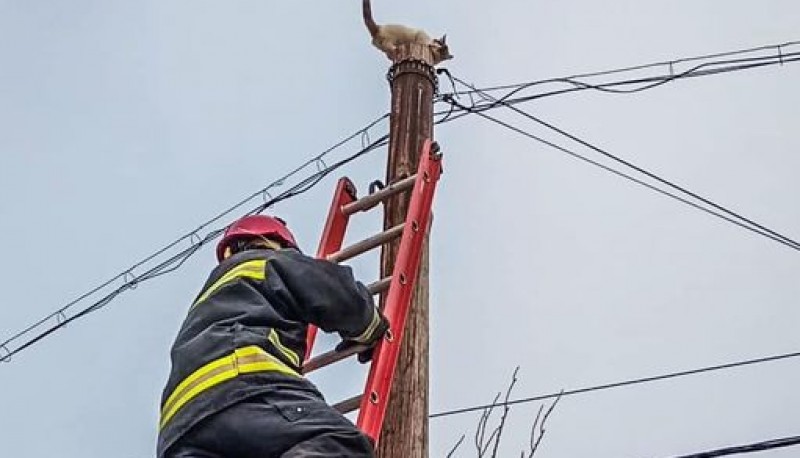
[{"x": 286, "y": 424}]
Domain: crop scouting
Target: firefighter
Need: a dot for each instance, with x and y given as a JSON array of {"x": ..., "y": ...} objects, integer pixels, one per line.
[{"x": 236, "y": 389}]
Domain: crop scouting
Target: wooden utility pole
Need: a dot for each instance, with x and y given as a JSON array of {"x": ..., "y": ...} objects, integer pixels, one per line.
[{"x": 413, "y": 82}]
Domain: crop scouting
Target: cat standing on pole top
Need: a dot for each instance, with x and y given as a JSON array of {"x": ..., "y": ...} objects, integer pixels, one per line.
[{"x": 388, "y": 37}]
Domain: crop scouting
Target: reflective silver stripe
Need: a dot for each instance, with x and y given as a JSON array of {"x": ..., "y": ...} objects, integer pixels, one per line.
[{"x": 365, "y": 336}]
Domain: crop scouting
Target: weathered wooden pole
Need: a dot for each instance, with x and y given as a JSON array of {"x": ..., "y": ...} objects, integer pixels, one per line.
[{"x": 413, "y": 83}]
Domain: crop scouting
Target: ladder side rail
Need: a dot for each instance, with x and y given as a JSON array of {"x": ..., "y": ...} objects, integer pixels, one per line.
[
  {"x": 381, "y": 375},
  {"x": 332, "y": 237}
]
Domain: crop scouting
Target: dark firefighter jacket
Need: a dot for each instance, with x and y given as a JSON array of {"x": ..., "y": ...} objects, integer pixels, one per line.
[{"x": 245, "y": 332}]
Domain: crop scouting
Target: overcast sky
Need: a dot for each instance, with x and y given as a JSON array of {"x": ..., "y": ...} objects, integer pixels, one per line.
[{"x": 124, "y": 125}]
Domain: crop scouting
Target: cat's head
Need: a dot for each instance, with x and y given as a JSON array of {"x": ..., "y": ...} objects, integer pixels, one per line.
[{"x": 440, "y": 49}]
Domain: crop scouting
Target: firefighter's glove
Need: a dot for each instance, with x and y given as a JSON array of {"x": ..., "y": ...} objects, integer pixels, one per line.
[{"x": 370, "y": 339}]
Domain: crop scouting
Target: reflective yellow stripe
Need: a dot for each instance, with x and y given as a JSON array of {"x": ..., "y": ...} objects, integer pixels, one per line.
[
  {"x": 244, "y": 360},
  {"x": 276, "y": 341},
  {"x": 251, "y": 269},
  {"x": 364, "y": 336},
  {"x": 204, "y": 371},
  {"x": 188, "y": 396},
  {"x": 199, "y": 381}
]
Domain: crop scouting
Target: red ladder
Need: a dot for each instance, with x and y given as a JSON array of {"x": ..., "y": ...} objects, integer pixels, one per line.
[{"x": 399, "y": 287}]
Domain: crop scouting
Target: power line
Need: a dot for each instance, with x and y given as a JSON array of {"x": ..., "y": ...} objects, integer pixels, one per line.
[
  {"x": 749, "y": 448},
  {"x": 620, "y": 384},
  {"x": 131, "y": 281},
  {"x": 731, "y": 217},
  {"x": 645, "y": 82},
  {"x": 656, "y": 81},
  {"x": 167, "y": 266},
  {"x": 630, "y": 178},
  {"x": 643, "y": 171},
  {"x": 777, "y": 53}
]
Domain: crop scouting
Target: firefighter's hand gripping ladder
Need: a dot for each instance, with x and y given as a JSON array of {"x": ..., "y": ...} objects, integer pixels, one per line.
[{"x": 399, "y": 287}]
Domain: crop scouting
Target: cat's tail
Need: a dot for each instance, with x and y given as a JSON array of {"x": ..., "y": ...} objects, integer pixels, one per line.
[{"x": 368, "y": 20}]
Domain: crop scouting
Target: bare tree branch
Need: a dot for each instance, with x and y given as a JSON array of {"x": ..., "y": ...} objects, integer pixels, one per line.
[
  {"x": 541, "y": 425},
  {"x": 453, "y": 450},
  {"x": 489, "y": 442},
  {"x": 505, "y": 413},
  {"x": 534, "y": 428},
  {"x": 480, "y": 432},
  {"x": 483, "y": 444}
]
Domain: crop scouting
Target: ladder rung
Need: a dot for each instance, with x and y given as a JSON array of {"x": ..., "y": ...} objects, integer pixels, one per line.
[
  {"x": 331, "y": 357},
  {"x": 349, "y": 405},
  {"x": 366, "y": 244},
  {"x": 380, "y": 286},
  {"x": 367, "y": 202}
]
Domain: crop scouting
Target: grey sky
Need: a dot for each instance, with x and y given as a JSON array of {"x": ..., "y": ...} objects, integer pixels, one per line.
[{"x": 123, "y": 125}]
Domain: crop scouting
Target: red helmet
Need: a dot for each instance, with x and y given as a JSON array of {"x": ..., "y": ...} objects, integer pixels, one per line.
[{"x": 256, "y": 225}]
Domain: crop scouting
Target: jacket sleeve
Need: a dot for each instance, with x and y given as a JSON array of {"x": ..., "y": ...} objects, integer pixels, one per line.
[{"x": 327, "y": 295}]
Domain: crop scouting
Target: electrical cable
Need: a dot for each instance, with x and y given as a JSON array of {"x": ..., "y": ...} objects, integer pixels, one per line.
[
  {"x": 649, "y": 82},
  {"x": 749, "y": 448},
  {"x": 778, "y": 54},
  {"x": 176, "y": 261},
  {"x": 642, "y": 170},
  {"x": 631, "y": 178},
  {"x": 620, "y": 384}
]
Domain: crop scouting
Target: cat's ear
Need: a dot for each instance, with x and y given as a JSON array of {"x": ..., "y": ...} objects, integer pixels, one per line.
[{"x": 443, "y": 40}]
